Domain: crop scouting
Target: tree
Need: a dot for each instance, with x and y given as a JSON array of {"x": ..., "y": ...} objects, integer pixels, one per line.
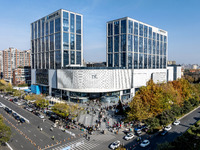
[
  {"x": 42, "y": 103},
  {"x": 5, "y": 132}
]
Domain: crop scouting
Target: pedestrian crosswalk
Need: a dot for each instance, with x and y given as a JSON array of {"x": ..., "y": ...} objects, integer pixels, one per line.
[{"x": 84, "y": 144}]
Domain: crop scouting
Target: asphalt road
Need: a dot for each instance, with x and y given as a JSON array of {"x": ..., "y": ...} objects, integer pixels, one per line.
[{"x": 28, "y": 136}]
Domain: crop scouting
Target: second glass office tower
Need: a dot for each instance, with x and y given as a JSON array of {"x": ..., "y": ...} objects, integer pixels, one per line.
[
  {"x": 57, "y": 40},
  {"x": 135, "y": 45}
]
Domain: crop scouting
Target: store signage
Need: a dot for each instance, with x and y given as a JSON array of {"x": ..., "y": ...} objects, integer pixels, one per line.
[
  {"x": 53, "y": 15},
  {"x": 162, "y": 31},
  {"x": 94, "y": 76}
]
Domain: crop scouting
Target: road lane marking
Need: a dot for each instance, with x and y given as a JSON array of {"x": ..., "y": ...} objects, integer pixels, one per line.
[
  {"x": 29, "y": 131},
  {"x": 34, "y": 135},
  {"x": 16, "y": 140},
  {"x": 41, "y": 140},
  {"x": 21, "y": 146}
]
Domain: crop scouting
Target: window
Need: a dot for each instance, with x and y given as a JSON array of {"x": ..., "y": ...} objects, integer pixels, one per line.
[
  {"x": 116, "y": 60},
  {"x": 65, "y": 22},
  {"x": 141, "y": 61},
  {"x": 123, "y": 59},
  {"x": 135, "y": 43},
  {"x": 39, "y": 29},
  {"x": 160, "y": 61},
  {"x": 165, "y": 39},
  {"x": 149, "y": 46},
  {"x": 123, "y": 42},
  {"x": 130, "y": 26},
  {"x": 43, "y": 48},
  {"x": 66, "y": 58},
  {"x": 141, "y": 29},
  {"x": 72, "y": 57},
  {"x": 39, "y": 46},
  {"x": 145, "y": 31},
  {"x": 116, "y": 42},
  {"x": 78, "y": 24},
  {"x": 157, "y": 62},
  {"x": 51, "y": 42},
  {"x": 130, "y": 43},
  {"x": 150, "y": 32},
  {"x": 135, "y": 28},
  {"x": 78, "y": 42},
  {"x": 47, "y": 43},
  {"x": 110, "y": 44},
  {"x": 65, "y": 40},
  {"x": 157, "y": 47},
  {"x": 47, "y": 28},
  {"x": 47, "y": 60},
  {"x": 57, "y": 24},
  {"x": 72, "y": 44},
  {"x": 42, "y": 27},
  {"x": 52, "y": 60},
  {"x": 141, "y": 45},
  {"x": 145, "y": 61},
  {"x": 32, "y": 46},
  {"x": 158, "y": 37},
  {"x": 154, "y": 62},
  {"x": 161, "y": 38},
  {"x": 154, "y": 35},
  {"x": 72, "y": 23},
  {"x": 78, "y": 57},
  {"x": 116, "y": 27},
  {"x": 110, "y": 29},
  {"x": 51, "y": 26},
  {"x": 110, "y": 60},
  {"x": 43, "y": 61},
  {"x": 33, "y": 61},
  {"x": 130, "y": 58},
  {"x": 145, "y": 45},
  {"x": 135, "y": 60},
  {"x": 123, "y": 26},
  {"x": 35, "y": 30},
  {"x": 161, "y": 48},
  {"x": 57, "y": 40},
  {"x": 165, "y": 48},
  {"x": 32, "y": 29},
  {"x": 154, "y": 47},
  {"x": 149, "y": 61},
  {"x": 58, "y": 59}
]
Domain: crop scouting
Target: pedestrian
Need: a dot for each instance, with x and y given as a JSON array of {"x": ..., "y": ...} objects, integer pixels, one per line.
[
  {"x": 53, "y": 137},
  {"x": 88, "y": 138},
  {"x": 40, "y": 129}
]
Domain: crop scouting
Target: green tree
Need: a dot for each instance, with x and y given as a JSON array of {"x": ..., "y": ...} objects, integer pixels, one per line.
[{"x": 42, "y": 103}]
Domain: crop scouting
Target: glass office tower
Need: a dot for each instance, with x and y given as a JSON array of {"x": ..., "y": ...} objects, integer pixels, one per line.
[
  {"x": 57, "y": 40},
  {"x": 135, "y": 45}
]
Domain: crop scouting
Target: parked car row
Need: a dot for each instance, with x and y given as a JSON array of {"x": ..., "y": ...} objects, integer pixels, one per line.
[{"x": 15, "y": 115}]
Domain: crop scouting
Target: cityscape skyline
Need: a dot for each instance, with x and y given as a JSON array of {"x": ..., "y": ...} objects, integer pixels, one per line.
[{"x": 15, "y": 31}]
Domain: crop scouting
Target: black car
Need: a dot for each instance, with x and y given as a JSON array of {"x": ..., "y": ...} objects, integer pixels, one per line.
[
  {"x": 9, "y": 111},
  {"x": 14, "y": 115},
  {"x": 17, "y": 117},
  {"x": 164, "y": 132},
  {"x": 6, "y": 109},
  {"x": 22, "y": 120}
]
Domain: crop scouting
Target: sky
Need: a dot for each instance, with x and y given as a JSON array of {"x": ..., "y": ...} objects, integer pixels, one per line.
[{"x": 181, "y": 18}]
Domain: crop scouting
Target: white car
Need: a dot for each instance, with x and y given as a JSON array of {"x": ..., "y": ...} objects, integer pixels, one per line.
[
  {"x": 115, "y": 144},
  {"x": 41, "y": 116},
  {"x": 167, "y": 128},
  {"x": 177, "y": 122},
  {"x": 145, "y": 143},
  {"x": 129, "y": 136},
  {"x": 29, "y": 109}
]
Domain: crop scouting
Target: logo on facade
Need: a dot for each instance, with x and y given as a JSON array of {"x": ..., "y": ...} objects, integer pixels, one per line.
[
  {"x": 94, "y": 76},
  {"x": 53, "y": 15}
]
